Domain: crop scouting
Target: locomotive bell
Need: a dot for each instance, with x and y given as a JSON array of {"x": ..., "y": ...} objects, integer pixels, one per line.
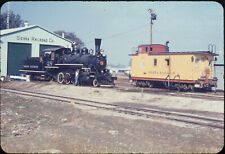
[
  {"x": 97, "y": 46},
  {"x": 101, "y": 51}
]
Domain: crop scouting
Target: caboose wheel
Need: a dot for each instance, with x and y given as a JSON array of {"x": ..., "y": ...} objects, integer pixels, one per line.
[
  {"x": 191, "y": 88},
  {"x": 178, "y": 88},
  {"x": 95, "y": 83},
  {"x": 60, "y": 77},
  {"x": 67, "y": 78}
]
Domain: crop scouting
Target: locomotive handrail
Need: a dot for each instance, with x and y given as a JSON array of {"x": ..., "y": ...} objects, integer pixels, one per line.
[
  {"x": 51, "y": 67},
  {"x": 71, "y": 64},
  {"x": 85, "y": 68}
]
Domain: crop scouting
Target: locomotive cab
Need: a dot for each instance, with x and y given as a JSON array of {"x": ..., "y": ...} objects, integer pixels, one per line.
[{"x": 54, "y": 56}]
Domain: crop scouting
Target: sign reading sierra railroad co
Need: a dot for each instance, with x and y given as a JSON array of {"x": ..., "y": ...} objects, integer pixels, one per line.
[{"x": 32, "y": 38}]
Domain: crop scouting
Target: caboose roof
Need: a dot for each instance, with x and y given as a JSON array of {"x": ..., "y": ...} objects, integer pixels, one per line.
[
  {"x": 183, "y": 53},
  {"x": 179, "y": 53}
]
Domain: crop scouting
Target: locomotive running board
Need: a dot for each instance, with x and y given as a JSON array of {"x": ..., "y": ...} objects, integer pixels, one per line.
[
  {"x": 51, "y": 67},
  {"x": 32, "y": 71}
]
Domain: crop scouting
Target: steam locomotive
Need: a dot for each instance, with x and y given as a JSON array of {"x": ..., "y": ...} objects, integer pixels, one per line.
[{"x": 60, "y": 64}]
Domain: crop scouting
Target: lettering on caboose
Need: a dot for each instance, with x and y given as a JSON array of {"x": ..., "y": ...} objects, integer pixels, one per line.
[{"x": 160, "y": 72}]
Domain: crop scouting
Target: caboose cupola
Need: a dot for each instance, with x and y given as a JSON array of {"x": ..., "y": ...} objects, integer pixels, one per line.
[{"x": 153, "y": 48}]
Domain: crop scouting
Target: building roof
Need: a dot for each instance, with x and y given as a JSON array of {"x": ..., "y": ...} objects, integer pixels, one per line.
[
  {"x": 12, "y": 30},
  {"x": 20, "y": 29}
]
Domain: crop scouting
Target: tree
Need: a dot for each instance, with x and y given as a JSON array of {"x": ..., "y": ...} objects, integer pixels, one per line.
[
  {"x": 14, "y": 20},
  {"x": 71, "y": 36}
]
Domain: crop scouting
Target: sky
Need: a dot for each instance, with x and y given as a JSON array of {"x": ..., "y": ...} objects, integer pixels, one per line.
[{"x": 188, "y": 26}]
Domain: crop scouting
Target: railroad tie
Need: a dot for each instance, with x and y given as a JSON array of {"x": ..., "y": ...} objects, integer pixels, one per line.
[{"x": 72, "y": 102}]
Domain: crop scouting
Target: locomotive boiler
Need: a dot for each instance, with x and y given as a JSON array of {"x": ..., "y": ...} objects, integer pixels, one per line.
[{"x": 60, "y": 64}]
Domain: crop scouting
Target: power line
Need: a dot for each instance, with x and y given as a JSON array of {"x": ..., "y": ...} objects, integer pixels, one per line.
[{"x": 121, "y": 33}]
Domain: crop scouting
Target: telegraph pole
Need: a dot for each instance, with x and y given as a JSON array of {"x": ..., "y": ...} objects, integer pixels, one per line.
[
  {"x": 7, "y": 26},
  {"x": 153, "y": 17}
]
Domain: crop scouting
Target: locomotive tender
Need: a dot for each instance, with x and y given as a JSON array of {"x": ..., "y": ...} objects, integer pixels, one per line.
[
  {"x": 60, "y": 64},
  {"x": 154, "y": 65}
]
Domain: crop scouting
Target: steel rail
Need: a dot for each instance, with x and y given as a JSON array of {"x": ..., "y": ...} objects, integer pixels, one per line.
[
  {"x": 133, "y": 108},
  {"x": 174, "y": 93},
  {"x": 124, "y": 109}
]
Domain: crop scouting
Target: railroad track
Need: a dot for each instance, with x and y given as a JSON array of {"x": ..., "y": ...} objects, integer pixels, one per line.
[
  {"x": 141, "y": 112},
  {"x": 210, "y": 96}
]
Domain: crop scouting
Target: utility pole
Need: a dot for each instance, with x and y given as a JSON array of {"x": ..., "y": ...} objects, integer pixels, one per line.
[
  {"x": 153, "y": 17},
  {"x": 7, "y": 26}
]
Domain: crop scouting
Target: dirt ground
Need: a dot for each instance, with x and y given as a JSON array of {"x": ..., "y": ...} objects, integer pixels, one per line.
[{"x": 39, "y": 125}]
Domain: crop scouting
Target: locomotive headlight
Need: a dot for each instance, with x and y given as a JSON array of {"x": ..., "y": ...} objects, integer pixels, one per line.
[
  {"x": 101, "y": 51},
  {"x": 101, "y": 63}
]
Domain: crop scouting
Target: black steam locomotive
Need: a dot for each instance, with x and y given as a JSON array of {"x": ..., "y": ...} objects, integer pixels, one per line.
[{"x": 60, "y": 64}]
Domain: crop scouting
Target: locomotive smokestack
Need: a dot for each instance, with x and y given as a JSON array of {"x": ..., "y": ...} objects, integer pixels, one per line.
[{"x": 97, "y": 46}]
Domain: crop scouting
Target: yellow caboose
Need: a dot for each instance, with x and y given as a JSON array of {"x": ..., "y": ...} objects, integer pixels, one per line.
[{"x": 154, "y": 64}]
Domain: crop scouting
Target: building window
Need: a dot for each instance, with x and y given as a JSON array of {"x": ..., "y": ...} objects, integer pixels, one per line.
[
  {"x": 155, "y": 62},
  {"x": 151, "y": 49},
  {"x": 146, "y": 49}
]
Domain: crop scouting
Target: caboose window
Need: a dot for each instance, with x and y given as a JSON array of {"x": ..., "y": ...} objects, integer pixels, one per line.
[
  {"x": 209, "y": 62},
  {"x": 146, "y": 49},
  {"x": 168, "y": 62},
  {"x": 151, "y": 49},
  {"x": 196, "y": 62},
  {"x": 192, "y": 59},
  {"x": 155, "y": 62}
]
